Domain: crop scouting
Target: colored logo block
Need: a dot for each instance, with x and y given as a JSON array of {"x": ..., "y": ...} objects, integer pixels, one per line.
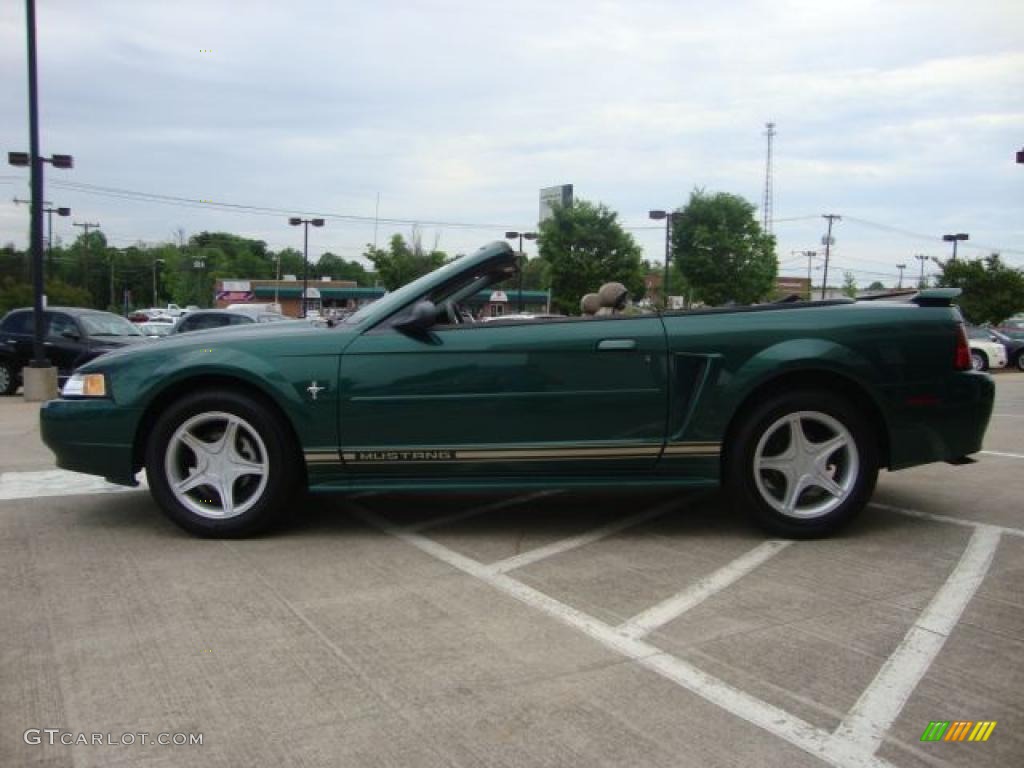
[{"x": 958, "y": 730}]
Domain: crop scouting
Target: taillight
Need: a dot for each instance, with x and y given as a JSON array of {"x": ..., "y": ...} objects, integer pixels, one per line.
[{"x": 963, "y": 350}]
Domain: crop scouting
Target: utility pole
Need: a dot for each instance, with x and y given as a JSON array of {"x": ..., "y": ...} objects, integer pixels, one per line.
[
  {"x": 86, "y": 226},
  {"x": 921, "y": 258},
  {"x": 827, "y": 241},
  {"x": 900, "y": 267}
]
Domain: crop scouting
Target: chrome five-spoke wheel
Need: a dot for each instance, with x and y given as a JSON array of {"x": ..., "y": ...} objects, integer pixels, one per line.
[
  {"x": 805, "y": 464},
  {"x": 216, "y": 465},
  {"x": 223, "y": 463}
]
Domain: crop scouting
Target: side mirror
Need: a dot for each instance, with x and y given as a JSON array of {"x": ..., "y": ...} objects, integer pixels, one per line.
[
  {"x": 421, "y": 317},
  {"x": 71, "y": 334}
]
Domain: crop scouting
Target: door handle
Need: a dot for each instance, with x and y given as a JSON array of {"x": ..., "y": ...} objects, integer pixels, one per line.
[{"x": 606, "y": 345}]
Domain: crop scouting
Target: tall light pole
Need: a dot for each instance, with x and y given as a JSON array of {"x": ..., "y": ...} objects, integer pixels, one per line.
[
  {"x": 49, "y": 210},
  {"x": 667, "y": 216},
  {"x": 810, "y": 257},
  {"x": 296, "y": 221},
  {"x": 155, "y": 262},
  {"x": 827, "y": 241},
  {"x": 954, "y": 239},
  {"x": 900, "y": 267},
  {"x": 86, "y": 226},
  {"x": 39, "y": 384},
  {"x": 921, "y": 258},
  {"x": 277, "y": 282},
  {"x": 522, "y": 256}
]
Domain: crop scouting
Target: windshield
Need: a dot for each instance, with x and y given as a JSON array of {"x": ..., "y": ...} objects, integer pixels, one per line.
[
  {"x": 107, "y": 325},
  {"x": 404, "y": 294}
]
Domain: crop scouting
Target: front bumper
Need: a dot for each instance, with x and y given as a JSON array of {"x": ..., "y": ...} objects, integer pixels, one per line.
[{"x": 91, "y": 436}]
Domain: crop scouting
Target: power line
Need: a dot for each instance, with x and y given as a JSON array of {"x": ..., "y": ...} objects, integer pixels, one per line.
[{"x": 259, "y": 209}]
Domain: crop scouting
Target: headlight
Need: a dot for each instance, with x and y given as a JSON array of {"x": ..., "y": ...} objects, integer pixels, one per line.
[{"x": 85, "y": 385}]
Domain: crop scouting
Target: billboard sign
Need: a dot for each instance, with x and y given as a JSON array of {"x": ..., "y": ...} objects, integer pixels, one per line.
[{"x": 551, "y": 196}]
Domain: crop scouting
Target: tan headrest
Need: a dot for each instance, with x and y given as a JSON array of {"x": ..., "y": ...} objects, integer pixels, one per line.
[
  {"x": 613, "y": 295},
  {"x": 590, "y": 303}
]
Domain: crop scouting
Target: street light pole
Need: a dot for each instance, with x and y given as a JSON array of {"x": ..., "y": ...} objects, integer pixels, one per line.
[
  {"x": 155, "y": 262},
  {"x": 522, "y": 257},
  {"x": 296, "y": 221},
  {"x": 39, "y": 384},
  {"x": 86, "y": 226},
  {"x": 810, "y": 256},
  {"x": 921, "y": 258},
  {"x": 658, "y": 216}
]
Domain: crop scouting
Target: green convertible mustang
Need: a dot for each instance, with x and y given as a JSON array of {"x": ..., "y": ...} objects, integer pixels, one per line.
[{"x": 791, "y": 408}]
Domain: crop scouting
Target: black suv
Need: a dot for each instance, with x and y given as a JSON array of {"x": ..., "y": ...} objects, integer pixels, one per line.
[{"x": 71, "y": 336}]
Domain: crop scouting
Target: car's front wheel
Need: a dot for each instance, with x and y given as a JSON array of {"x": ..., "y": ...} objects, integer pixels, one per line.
[
  {"x": 1020, "y": 361},
  {"x": 8, "y": 378},
  {"x": 221, "y": 464},
  {"x": 802, "y": 463}
]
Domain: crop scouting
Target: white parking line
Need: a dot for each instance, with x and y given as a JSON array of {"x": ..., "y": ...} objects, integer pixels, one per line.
[
  {"x": 564, "y": 545},
  {"x": 57, "y": 482},
  {"x": 668, "y": 610},
  {"x": 947, "y": 519},
  {"x": 749, "y": 708},
  {"x": 468, "y": 513},
  {"x": 864, "y": 727},
  {"x": 1003, "y": 454}
]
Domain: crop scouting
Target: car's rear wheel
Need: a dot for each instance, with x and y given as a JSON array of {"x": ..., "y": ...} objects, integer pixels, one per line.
[
  {"x": 1020, "y": 361},
  {"x": 8, "y": 378},
  {"x": 979, "y": 361},
  {"x": 222, "y": 464},
  {"x": 802, "y": 463}
]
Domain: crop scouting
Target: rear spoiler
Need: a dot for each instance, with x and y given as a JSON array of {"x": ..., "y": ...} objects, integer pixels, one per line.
[{"x": 936, "y": 297}]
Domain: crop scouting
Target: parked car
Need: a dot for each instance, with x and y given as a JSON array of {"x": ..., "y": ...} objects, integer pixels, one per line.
[
  {"x": 1014, "y": 348},
  {"x": 73, "y": 336},
  {"x": 985, "y": 353},
  {"x": 155, "y": 329},
  {"x": 791, "y": 408},
  {"x": 206, "y": 319}
]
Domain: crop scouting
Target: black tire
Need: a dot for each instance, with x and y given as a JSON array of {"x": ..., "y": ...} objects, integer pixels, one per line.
[
  {"x": 9, "y": 378},
  {"x": 1020, "y": 361},
  {"x": 261, "y": 437},
  {"x": 764, "y": 436},
  {"x": 979, "y": 360}
]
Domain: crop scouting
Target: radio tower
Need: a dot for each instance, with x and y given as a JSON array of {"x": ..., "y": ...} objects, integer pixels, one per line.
[{"x": 766, "y": 209}]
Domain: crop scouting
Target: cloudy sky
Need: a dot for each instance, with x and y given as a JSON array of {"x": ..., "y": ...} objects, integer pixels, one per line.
[{"x": 903, "y": 116}]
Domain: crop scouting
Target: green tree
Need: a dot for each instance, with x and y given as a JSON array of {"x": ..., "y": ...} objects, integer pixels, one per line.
[
  {"x": 992, "y": 291},
  {"x": 876, "y": 286},
  {"x": 403, "y": 262},
  {"x": 720, "y": 250},
  {"x": 337, "y": 268},
  {"x": 849, "y": 285},
  {"x": 585, "y": 246}
]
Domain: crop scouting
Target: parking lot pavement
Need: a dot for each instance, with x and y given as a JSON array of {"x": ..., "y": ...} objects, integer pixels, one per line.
[
  {"x": 537, "y": 629},
  {"x": 21, "y": 449}
]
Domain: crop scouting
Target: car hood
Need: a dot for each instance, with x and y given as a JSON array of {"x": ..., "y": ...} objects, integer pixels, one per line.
[
  {"x": 251, "y": 337},
  {"x": 117, "y": 342}
]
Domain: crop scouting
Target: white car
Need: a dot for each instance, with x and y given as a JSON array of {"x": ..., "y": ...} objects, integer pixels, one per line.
[{"x": 985, "y": 353}]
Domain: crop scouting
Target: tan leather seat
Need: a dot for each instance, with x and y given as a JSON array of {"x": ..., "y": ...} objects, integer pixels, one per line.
[
  {"x": 590, "y": 304},
  {"x": 614, "y": 297}
]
